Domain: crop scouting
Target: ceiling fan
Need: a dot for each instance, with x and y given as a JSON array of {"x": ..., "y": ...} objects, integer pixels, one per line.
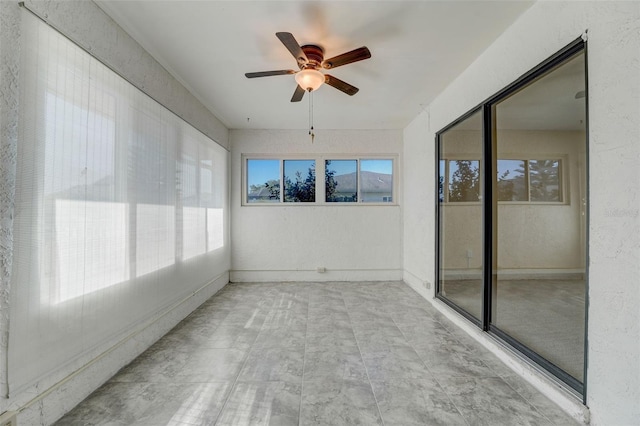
[{"x": 310, "y": 58}]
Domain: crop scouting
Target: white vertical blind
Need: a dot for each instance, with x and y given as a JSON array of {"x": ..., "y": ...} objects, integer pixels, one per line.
[{"x": 120, "y": 207}]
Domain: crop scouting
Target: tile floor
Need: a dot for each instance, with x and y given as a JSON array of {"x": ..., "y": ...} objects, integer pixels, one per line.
[
  {"x": 316, "y": 354},
  {"x": 545, "y": 314}
]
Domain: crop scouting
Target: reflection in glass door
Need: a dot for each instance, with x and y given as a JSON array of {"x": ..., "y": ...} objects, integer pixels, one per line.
[
  {"x": 460, "y": 212},
  {"x": 512, "y": 217},
  {"x": 539, "y": 288}
]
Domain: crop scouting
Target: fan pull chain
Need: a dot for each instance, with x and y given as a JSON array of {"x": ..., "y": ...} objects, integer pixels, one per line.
[{"x": 311, "y": 133}]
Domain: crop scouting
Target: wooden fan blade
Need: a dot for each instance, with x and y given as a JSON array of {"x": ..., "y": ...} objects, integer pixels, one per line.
[
  {"x": 355, "y": 55},
  {"x": 293, "y": 46},
  {"x": 268, "y": 73},
  {"x": 298, "y": 94},
  {"x": 340, "y": 85}
]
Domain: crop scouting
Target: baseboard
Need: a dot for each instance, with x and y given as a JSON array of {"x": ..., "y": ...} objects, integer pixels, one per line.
[
  {"x": 422, "y": 287},
  {"x": 315, "y": 276},
  {"x": 44, "y": 407}
]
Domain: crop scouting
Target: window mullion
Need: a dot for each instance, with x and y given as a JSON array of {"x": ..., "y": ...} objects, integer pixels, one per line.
[
  {"x": 527, "y": 180},
  {"x": 282, "y": 180}
]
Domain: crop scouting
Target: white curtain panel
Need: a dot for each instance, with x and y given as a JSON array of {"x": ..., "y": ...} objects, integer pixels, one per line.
[{"x": 120, "y": 207}]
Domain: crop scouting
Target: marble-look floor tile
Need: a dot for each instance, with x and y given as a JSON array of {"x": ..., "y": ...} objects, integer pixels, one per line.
[
  {"x": 327, "y": 301},
  {"x": 337, "y": 338},
  {"x": 403, "y": 314},
  {"x": 543, "y": 404},
  {"x": 419, "y": 402},
  {"x": 429, "y": 332},
  {"x": 279, "y": 318},
  {"x": 338, "y": 402},
  {"x": 286, "y": 301},
  {"x": 262, "y": 403},
  {"x": 319, "y": 343},
  {"x": 231, "y": 336},
  {"x": 116, "y": 404},
  {"x": 187, "y": 336},
  {"x": 212, "y": 315},
  {"x": 329, "y": 323},
  {"x": 379, "y": 339},
  {"x": 285, "y": 337},
  {"x": 366, "y": 309},
  {"x": 371, "y": 321},
  {"x": 354, "y": 297},
  {"x": 396, "y": 362},
  {"x": 208, "y": 365},
  {"x": 339, "y": 363},
  {"x": 274, "y": 364},
  {"x": 490, "y": 401},
  {"x": 453, "y": 361},
  {"x": 323, "y": 314},
  {"x": 398, "y": 297},
  {"x": 154, "y": 366},
  {"x": 489, "y": 359},
  {"x": 247, "y": 318},
  {"x": 327, "y": 305}
]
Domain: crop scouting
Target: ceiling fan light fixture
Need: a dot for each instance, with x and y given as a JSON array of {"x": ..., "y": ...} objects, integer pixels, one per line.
[
  {"x": 309, "y": 79},
  {"x": 310, "y": 58}
]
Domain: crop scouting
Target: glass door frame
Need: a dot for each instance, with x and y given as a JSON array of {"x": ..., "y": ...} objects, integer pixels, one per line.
[
  {"x": 489, "y": 213},
  {"x": 479, "y": 322}
]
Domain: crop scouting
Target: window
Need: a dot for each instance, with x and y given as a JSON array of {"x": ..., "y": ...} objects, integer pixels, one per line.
[
  {"x": 376, "y": 181},
  {"x": 299, "y": 181},
  {"x": 544, "y": 180},
  {"x": 341, "y": 181},
  {"x": 529, "y": 180},
  {"x": 459, "y": 181},
  {"x": 364, "y": 180},
  {"x": 263, "y": 178},
  {"x": 512, "y": 182},
  {"x": 351, "y": 180},
  {"x": 264, "y": 185}
]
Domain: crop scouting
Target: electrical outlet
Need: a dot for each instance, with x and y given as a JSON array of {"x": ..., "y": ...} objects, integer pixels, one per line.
[
  {"x": 321, "y": 269},
  {"x": 427, "y": 285},
  {"x": 9, "y": 418}
]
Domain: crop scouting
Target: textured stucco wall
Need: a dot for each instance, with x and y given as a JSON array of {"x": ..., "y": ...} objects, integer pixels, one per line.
[
  {"x": 287, "y": 242},
  {"x": 613, "y": 378},
  {"x": 89, "y": 26},
  {"x": 419, "y": 209}
]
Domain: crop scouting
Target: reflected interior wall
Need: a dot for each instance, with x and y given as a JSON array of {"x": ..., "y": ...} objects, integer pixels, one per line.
[{"x": 548, "y": 233}]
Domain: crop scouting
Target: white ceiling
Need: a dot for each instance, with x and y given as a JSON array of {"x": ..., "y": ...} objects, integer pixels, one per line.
[{"x": 417, "y": 47}]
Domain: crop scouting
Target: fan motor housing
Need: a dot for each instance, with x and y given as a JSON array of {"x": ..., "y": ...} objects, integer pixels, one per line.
[{"x": 315, "y": 55}]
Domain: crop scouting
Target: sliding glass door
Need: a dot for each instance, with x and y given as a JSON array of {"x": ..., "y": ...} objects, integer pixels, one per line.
[
  {"x": 460, "y": 211},
  {"x": 512, "y": 215}
]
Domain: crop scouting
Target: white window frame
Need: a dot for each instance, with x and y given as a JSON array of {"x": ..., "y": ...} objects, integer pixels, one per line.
[{"x": 320, "y": 160}]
